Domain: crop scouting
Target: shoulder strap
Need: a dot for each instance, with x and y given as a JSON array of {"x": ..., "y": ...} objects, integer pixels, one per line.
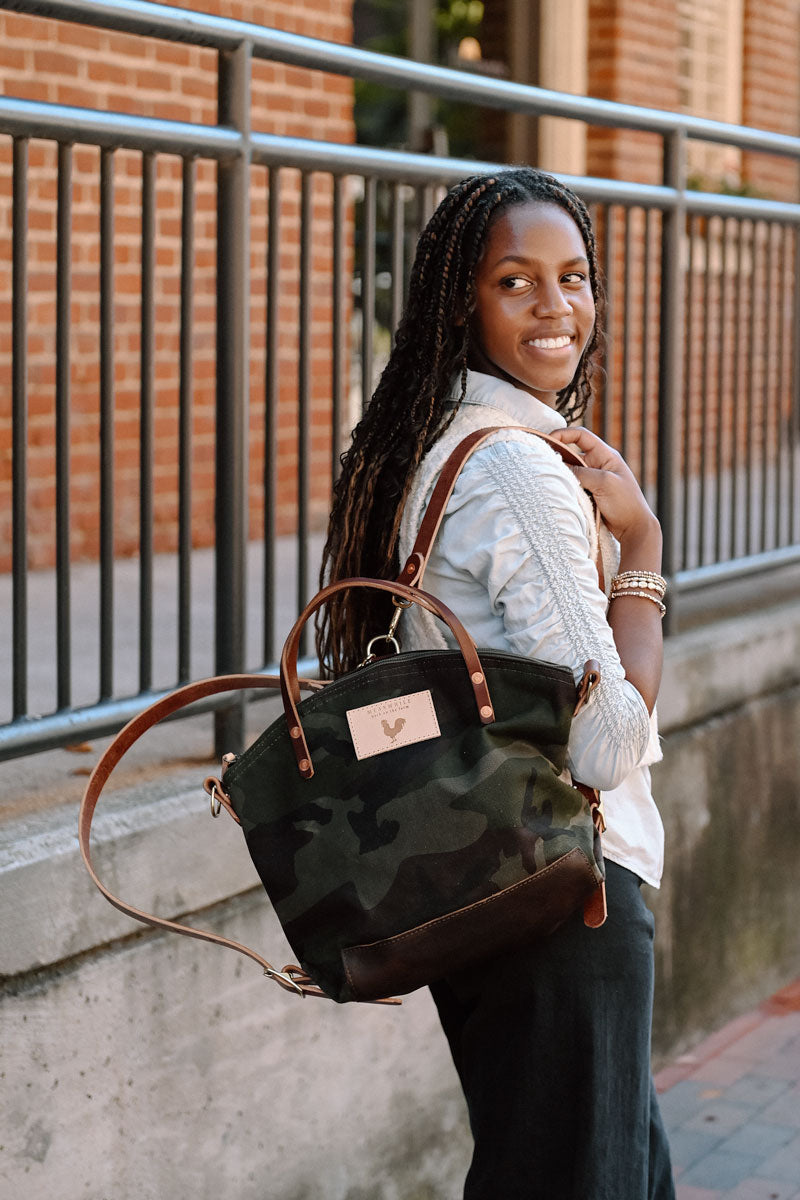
[
  {"x": 414, "y": 569},
  {"x": 291, "y": 978}
]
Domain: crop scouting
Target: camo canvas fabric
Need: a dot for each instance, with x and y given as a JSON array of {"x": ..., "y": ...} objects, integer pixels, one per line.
[{"x": 401, "y": 858}]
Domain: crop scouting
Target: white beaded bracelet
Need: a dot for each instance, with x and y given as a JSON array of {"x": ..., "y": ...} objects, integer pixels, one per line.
[{"x": 626, "y": 591}]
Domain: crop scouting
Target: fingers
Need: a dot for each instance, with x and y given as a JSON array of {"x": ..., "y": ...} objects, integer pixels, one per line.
[{"x": 597, "y": 453}]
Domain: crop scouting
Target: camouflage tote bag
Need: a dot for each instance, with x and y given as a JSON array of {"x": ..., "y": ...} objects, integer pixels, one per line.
[{"x": 410, "y": 818}]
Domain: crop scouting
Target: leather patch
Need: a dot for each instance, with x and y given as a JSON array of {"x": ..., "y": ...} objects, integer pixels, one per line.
[{"x": 389, "y": 724}]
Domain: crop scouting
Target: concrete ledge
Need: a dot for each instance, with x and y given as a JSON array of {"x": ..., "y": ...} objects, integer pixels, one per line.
[
  {"x": 156, "y": 847},
  {"x": 712, "y": 670}
]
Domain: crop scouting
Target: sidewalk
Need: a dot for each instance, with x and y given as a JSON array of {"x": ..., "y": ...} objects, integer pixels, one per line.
[{"x": 732, "y": 1107}]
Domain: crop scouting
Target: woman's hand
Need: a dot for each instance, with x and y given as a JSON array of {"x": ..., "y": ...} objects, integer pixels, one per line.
[
  {"x": 635, "y": 622},
  {"x": 610, "y": 480}
]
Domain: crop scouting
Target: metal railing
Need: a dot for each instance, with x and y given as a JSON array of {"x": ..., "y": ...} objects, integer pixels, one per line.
[{"x": 711, "y": 421}]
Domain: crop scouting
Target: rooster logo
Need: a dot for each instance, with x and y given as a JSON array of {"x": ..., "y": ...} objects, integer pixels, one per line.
[{"x": 392, "y": 731}]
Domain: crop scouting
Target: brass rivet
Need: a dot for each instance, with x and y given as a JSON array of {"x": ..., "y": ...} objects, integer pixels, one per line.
[
  {"x": 477, "y": 677},
  {"x": 295, "y": 731},
  {"x": 304, "y": 764},
  {"x": 487, "y": 711}
]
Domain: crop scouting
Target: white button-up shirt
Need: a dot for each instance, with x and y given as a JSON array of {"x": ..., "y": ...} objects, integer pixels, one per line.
[{"x": 514, "y": 560}]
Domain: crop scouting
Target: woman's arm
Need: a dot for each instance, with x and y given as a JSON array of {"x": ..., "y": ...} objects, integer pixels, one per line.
[
  {"x": 635, "y": 622},
  {"x": 516, "y": 533}
]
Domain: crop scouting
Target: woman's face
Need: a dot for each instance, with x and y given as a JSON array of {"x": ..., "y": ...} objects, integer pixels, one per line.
[{"x": 534, "y": 310}]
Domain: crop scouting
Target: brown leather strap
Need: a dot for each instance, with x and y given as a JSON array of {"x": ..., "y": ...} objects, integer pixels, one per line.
[
  {"x": 289, "y": 681},
  {"x": 414, "y": 568},
  {"x": 292, "y": 978}
]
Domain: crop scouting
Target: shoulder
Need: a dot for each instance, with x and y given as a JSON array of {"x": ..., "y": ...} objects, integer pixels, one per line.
[{"x": 514, "y": 459}]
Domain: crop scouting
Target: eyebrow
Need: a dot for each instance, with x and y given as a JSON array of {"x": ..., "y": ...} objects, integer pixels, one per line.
[{"x": 519, "y": 258}]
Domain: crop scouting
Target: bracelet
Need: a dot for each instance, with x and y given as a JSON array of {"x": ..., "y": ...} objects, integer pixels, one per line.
[
  {"x": 662, "y": 608},
  {"x": 649, "y": 580}
]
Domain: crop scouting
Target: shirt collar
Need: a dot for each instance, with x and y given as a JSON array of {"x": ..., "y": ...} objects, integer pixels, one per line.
[{"x": 492, "y": 392}]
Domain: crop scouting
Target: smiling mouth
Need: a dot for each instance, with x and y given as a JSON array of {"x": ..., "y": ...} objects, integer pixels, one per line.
[{"x": 549, "y": 343}]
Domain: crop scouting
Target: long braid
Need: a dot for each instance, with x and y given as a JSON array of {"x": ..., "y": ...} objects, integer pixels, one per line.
[{"x": 409, "y": 410}]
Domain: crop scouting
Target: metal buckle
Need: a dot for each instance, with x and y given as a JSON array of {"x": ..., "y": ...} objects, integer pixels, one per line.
[
  {"x": 282, "y": 977},
  {"x": 216, "y": 804}
]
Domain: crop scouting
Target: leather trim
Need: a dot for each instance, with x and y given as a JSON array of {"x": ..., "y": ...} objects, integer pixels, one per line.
[{"x": 488, "y": 928}]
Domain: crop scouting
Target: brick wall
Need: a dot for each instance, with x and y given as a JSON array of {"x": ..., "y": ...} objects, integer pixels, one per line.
[
  {"x": 771, "y": 90},
  {"x": 59, "y": 62},
  {"x": 632, "y": 59}
]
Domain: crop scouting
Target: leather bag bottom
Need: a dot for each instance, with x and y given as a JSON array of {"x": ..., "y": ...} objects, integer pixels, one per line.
[{"x": 511, "y": 918}]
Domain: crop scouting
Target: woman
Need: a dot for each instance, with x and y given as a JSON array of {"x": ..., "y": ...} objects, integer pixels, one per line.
[{"x": 552, "y": 1044}]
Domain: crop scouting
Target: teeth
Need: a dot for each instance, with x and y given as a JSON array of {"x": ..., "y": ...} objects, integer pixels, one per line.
[{"x": 551, "y": 343}]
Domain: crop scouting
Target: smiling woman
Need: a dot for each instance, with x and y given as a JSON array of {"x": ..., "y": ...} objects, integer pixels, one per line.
[{"x": 552, "y": 1043}]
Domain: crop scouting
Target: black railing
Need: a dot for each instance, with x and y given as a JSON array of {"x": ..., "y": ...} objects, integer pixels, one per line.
[{"x": 702, "y": 382}]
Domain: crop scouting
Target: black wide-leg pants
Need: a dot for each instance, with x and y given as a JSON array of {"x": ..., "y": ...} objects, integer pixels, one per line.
[{"x": 552, "y": 1046}]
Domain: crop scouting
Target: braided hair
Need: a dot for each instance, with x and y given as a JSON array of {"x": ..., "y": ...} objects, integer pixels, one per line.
[{"x": 409, "y": 411}]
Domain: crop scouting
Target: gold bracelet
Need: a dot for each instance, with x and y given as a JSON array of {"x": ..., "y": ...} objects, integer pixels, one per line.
[
  {"x": 662, "y": 608},
  {"x": 650, "y": 580}
]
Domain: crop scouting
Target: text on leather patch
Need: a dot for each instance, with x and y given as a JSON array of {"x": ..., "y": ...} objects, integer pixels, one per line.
[{"x": 389, "y": 724}]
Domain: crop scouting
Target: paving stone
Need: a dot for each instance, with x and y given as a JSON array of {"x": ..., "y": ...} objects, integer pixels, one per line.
[
  {"x": 785, "y": 1110},
  {"x": 721, "y": 1116},
  {"x": 720, "y": 1070},
  {"x": 762, "y": 1189},
  {"x": 784, "y": 1164},
  {"x": 760, "y": 1138},
  {"x": 721, "y": 1170},
  {"x": 682, "y": 1102},
  {"x": 756, "y": 1089},
  {"x": 688, "y": 1146}
]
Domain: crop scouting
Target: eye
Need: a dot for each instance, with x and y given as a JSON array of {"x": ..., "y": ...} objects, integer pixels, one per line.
[
  {"x": 574, "y": 277},
  {"x": 513, "y": 283}
]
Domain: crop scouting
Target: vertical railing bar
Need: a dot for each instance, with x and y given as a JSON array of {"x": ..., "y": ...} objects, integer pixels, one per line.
[
  {"x": 705, "y": 392},
  {"x": 338, "y": 366},
  {"x": 737, "y": 391},
  {"x": 368, "y": 288},
  {"x": 644, "y": 407},
  {"x": 780, "y": 379},
  {"x": 722, "y": 440},
  {"x": 232, "y": 386},
  {"x": 610, "y": 282},
  {"x": 146, "y": 403},
  {"x": 397, "y": 255},
  {"x": 304, "y": 399},
  {"x": 19, "y": 436},
  {"x": 750, "y": 431},
  {"x": 627, "y": 332},
  {"x": 794, "y": 418},
  {"x": 62, "y": 514},
  {"x": 272, "y": 393},
  {"x": 670, "y": 360},
  {"x": 185, "y": 434},
  {"x": 766, "y": 358},
  {"x": 780, "y": 383},
  {"x": 688, "y": 410},
  {"x": 106, "y": 423}
]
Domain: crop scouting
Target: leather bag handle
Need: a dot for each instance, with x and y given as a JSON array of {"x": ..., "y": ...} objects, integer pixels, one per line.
[
  {"x": 290, "y": 684},
  {"x": 292, "y": 978},
  {"x": 414, "y": 568}
]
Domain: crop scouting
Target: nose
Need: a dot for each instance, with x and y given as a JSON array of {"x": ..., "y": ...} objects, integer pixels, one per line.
[{"x": 550, "y": 300}]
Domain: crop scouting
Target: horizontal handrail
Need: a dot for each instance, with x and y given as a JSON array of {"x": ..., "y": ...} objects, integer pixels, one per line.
[
  {"x": 29, "y": 118},
  {"x": 70, "y": 124},
  {"x": 205, "y": 29}
]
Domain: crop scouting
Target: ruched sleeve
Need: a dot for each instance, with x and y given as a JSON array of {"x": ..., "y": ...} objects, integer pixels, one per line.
[{"x": 515, "y": 532}]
